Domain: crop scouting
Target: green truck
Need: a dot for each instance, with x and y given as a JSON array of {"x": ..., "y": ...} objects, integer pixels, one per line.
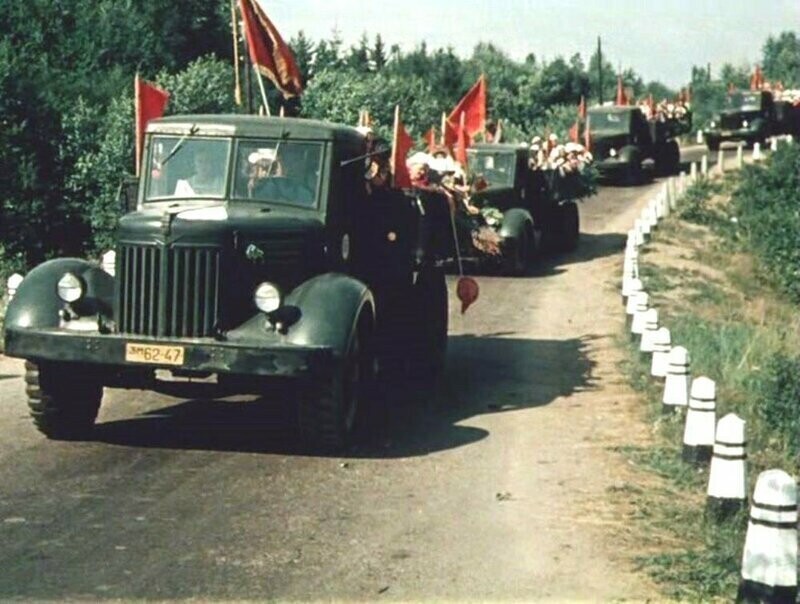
[
  {"x": 529, "y": 210},
  {"x": 752, "y": 117},
  {"x": 250, "y": 251},
  {"x": 623, "y": 139}
]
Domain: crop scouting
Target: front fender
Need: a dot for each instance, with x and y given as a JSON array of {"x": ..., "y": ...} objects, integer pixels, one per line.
[
  {"x": 330, "y": 306},
  {"x": 36, "y": 302},
  {"x": 629, "y": 154},
  {"x": 514, "y": 223}
]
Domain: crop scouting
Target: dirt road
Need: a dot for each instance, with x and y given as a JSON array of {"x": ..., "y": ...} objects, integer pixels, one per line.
[{"x": 494, "y": 486}]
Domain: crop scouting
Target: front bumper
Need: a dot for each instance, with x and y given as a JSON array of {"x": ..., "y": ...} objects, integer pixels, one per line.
[
  {"x": 741, "y": 134},
  {"x": 270, "y": 358},
  {"x": 612, "y": 166}
]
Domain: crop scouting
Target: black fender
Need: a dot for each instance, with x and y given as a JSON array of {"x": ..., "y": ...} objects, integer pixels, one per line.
[
  {"x": 330, "y": 306},
  {"x": 36, "y": 302},
  {"x": 630, "y": 154},
  {"x": 515, "y": 221}
]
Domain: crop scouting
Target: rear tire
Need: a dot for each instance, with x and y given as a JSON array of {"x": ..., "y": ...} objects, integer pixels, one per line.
[
  {"x": 63, "y": 399},
  {"x": 331, "y": 407}
]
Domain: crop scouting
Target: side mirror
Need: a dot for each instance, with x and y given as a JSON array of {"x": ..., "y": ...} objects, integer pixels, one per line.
[{"x": 128, "y": 193}]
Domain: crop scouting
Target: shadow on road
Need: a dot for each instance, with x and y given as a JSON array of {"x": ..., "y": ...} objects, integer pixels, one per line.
[
  {"x": 591, "y": 247},
  {"x": 485, "y": 375},
  {"x": 9, "y": 377}
]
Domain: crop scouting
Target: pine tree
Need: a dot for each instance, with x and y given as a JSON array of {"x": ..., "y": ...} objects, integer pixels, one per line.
[
  {"x": 303, "y": 54},
  {"x": 378, "y": 54}
]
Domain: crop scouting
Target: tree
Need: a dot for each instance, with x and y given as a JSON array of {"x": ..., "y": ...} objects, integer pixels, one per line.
[
  {"x": 378, "y": 54},
  {"x": 358, "y": 57},
  {"x": 781, "y": 59},
  {"x": 303, "y": 51},
  {"x": 609, "y": 78}
]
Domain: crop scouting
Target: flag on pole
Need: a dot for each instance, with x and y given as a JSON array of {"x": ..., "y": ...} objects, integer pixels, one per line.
[
  {"x": 622, "y": 98},
  {"x": 473, "y": 107},
  {"x": 462, "y": 142},
  {"x": 402, "y": 143},
  {"x": 430, "y": 139},
  {"x": 574, "y": 132},
  {"x": 270, "y": 55},
  {"x": 587, "y": 137},
  {"x": 582, "y": 108},
  {"x": 150, "y": 102}
]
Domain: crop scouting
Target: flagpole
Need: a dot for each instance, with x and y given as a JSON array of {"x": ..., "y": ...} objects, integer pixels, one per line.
[
  {"x": 237, "y": 86},
  {"x": 137, "y": 109},
  {"x": 263, "y": 91},
  {"x": 444, "y": 127},
  {"x": 395, "y": 139}
]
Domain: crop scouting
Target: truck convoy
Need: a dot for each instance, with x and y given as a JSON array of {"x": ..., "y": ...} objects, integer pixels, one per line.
[
  {"x": 623, "y": 138},
  {"x": 752, "y": 117},
  {"x": 252, "y": 251}
]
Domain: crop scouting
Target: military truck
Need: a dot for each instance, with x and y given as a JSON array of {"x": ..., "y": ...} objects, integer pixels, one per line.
[
  {"x": 623, "y": 139},
  {"x": 752, "y": 117},
  {"x": 250, "y": 252},
  {"x": 529, "y": 210}
]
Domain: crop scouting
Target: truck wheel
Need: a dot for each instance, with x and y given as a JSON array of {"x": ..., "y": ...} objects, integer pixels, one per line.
[
  {"x": 63, "y": 399},
  {"x": 516, "y": 254},
  {"x": 430, "y": 303},
  {"x": 330, "y": 408},
  {"x": 570, "y": 227},
  {"x": 634, "y": 171}
]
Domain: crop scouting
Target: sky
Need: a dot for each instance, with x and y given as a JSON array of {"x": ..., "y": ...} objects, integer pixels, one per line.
[{"x": 659, "y": 40}]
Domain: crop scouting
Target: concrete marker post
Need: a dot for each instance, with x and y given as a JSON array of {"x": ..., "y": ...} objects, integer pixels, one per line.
[
  {"x": 769, "y": 562},
  {"x": 693, "y": 171},
  {"x": 721, "y": 162},
  {"x": 756, "y": 151},
  {"x": 699, "y": 138},
  {"x": 789, "y": 139},
  {"x": 701, "y": 419},
  {"x": 673, "y": 196},
  {"x": 676, "y": 386},
  {"x": 646, "y": 345},
  {"x": 727, "y": 478},
  {"x": 662, "y": 344},
  {"x": 633, "y": 303},
  {"x": 740, "y": 156},
  {"x": 682, "y": 180},
  {"x": 12, "y": 285},
  {"x": 773, "y": 143},
  {"x": 704, "y": 165},
  {"x": 109, "y": 262},
  {"x": 639, "y": 312}
]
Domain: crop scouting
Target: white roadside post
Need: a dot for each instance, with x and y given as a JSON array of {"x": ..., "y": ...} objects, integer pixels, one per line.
[
  {"x": 645, "y": 224},
  {"x": 773, "y": 143},
  {"x": 682, "y": 181},
  {"x": 693, "y": 171},
  {"x": 662, "y": 342},
  {"x": 649, "y": 331},
  {"x": 701, "y": 420},
  {"x": 676, "y": 386},
  {"x": 673, "y": 196},
  {"x": 740, "y": 156},
  {"x": 635, "y": 301},
  {"x": 12, "y": 284},
  {"x": 769, "y": 563},
  {"x": 699, "y": 138},
  {"x": 704, "y": 165},
  {"x": 109, "y": 262},
  {"x": 721, "y": 161},
  {"x": 638, "y": 321},
  {"x": 630, "y": 288},
  {"x": 727, "y": 479},
  {"x": 756, "y": 151},
  {"x": 789, "y": 139}
]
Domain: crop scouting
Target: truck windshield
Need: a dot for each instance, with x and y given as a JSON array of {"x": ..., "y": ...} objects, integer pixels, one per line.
[
  {"x": 496, "y": 167},
  {"x": 609, "y": 123},
  {"x": 744, "y": 101},
  {"x": 187, "y": 168},
  {"x": 278, "y": 171}
]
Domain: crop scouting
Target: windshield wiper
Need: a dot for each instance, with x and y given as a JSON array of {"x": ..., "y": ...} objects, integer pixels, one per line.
[{"x": 179, "y": 144}]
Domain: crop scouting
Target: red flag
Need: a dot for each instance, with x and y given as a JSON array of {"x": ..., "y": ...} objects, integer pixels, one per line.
[
  {"x": 401, "y": 144},
  {"x": 582, "y": 108},
  {"x": 430, "y": 139},
  {"x": 473, "y": 107},
  {"x": 150, "y": 101},
  {"x": 463, "y": 142},
  {"x": 269, "y": 53},
  {"x": 622, "y": 98},
  {"x": 449, "y": 133},
  {"x": 574, "y": 132}
]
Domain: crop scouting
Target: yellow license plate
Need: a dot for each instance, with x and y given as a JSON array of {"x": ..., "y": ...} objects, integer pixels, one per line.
[{"x": 154, "y": 354}]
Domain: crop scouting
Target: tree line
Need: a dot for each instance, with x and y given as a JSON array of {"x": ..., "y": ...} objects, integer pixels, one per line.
[{"x": 66, "y": 99}]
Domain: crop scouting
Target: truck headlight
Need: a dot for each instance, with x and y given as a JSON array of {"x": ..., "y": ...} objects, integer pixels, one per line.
[
  {"x": 267, "y": 298},
  {"x": 745, "y": 124},
  {"x": 70, "y": 288},
  {"x": 713, "y": 124},
  {"x": 612, "y": 153}
]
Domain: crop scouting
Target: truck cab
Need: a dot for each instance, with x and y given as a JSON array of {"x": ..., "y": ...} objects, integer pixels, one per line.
[
  {"x": 252, "y": 250},
  {"x": 747, "y": 116},
  {"x": 623, "y": 139}
]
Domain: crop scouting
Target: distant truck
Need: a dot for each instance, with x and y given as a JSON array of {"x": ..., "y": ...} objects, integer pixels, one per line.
[
  {"x": 623, "y": 139},
  {"x": 528, "y": 209},
  {"x": 752, "y": 117}
]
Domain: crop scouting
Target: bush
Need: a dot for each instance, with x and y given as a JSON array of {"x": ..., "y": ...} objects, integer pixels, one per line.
[
  {"x": 779, "y": 405},
  {"x": 766, "y": 203},
  {"x": 694, "y": 205}
]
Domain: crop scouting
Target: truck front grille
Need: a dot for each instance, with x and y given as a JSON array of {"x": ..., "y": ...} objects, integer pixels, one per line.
[{"x": 169, "y": 292}]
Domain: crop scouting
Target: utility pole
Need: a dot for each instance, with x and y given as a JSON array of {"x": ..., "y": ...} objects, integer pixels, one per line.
[{"x": 599, "y": 71}]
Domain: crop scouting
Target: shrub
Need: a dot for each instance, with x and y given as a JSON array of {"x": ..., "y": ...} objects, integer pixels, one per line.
[{"x": 779, "y": 405}]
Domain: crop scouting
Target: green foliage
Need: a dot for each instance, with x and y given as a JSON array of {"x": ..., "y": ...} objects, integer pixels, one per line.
[
  {"x": 779, "y": 403},
  {"x": 766, "y": 206},
  {"x": 694, "y": 205},
  {"x": 782, "y": 59}
]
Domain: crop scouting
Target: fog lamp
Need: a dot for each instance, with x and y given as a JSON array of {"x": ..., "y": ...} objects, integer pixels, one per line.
[{"x": 70, "y": 288}]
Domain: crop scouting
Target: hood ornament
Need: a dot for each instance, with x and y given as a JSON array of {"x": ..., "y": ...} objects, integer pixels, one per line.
[{"x": 254, "y": 253}]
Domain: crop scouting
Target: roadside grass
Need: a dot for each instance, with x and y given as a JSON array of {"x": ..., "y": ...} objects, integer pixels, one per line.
[{"x": 714, "y": 297}]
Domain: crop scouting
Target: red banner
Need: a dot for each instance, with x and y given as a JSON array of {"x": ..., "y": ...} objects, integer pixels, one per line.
[
  {"x": 150, "y": 102},
  {"x": 473, "y": 108},
  {"x": 402, "y": 143}
]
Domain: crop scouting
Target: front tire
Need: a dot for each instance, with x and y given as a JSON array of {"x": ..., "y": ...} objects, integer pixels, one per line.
[
  {"x": 63, "y": 399},
  {"x": 331, "y": 407},
  {"x": 516, "y": 256}
]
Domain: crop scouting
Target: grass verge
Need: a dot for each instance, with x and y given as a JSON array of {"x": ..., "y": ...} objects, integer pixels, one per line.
[{"x": 713, "y": 294}]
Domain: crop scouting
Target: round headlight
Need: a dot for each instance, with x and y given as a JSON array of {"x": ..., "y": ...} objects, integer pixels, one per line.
[
  {"x": 745, "y": 123},
  {"x": 613, "y": 152},
  {"x": 267, "y": 297},
  {"x": 713, "y": 124},
  {"x": 70, "y": 288}
]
